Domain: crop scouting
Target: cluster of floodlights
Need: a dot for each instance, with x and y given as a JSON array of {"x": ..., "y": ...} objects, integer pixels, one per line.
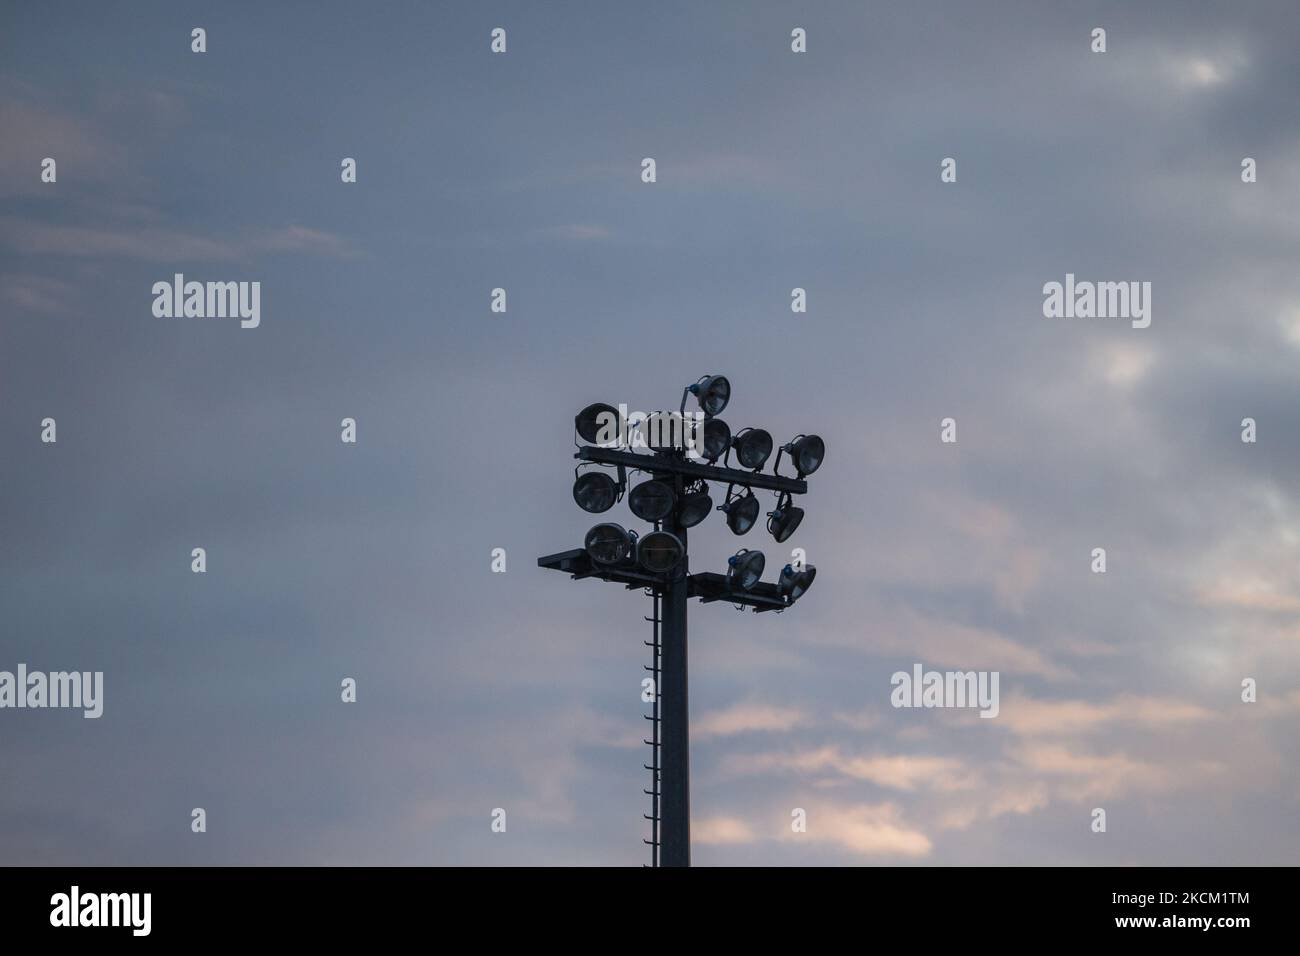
[
  {"x": 745, "y": 568},
  {"x": 653, "y": 500}
]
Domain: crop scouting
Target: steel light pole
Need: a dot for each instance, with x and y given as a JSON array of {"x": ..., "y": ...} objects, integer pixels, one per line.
[{"x": 671, "y": 589}]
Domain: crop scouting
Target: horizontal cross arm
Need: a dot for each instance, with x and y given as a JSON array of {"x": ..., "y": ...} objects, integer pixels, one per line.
[{"x": 665, "y": 464}]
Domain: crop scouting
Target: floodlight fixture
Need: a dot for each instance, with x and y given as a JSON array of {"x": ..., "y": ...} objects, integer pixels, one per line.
[
  {"x": 806, "y": 451},
  {"x": 782, "y": 522},
  {"x": 753, "y": 446},
  {"x": 744, "y": 568},
  {"x": 652, "y": 500},
  {"x": 595, "y": 491},
  {"x": 695, "y": 507},
  {"x": 712, "y": 392},
  {"x": 715, "y": 441},
  {"x": 609, "y": 543},
  {"x": 659, "y": 551},
  {"x": 589, "y": 422},
  {"x": 663, "y": 431},
  {"x": 741, "y": 511},
  {"x": 794, "y": 583}
]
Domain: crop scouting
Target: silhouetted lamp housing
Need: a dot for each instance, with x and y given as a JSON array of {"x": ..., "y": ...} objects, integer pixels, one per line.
[
  {"x": 741, "y": 512},
  {"x": 713, "y": 392},
  {"x": 695, "y": 507},
  {"x": 651, "y": 500},
  {"x": 794, "y": 583},
  {"x": 595, "y": 491},
  {"x": 782, "y": 522},
  {"x": 715, "y": 440},
  {"x": 663, "y": 431},
  {"x": 588, "y": 421},
  {"x": 744, "y": 568},
  {"x": 807, "y": 452},
  {"x": 753, "y": 446},
  {"x": 608, "y": 543},
  {"x": 659, "y": 551}
]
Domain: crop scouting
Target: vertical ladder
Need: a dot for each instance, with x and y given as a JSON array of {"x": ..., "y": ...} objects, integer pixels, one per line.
[{"x": 653, "y": 742}]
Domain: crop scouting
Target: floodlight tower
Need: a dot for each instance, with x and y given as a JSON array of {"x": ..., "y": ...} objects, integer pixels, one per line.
[{"x": 674, "y": 499}]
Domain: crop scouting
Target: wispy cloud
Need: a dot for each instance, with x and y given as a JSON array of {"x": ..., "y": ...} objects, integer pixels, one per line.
[
  {"x": 1096, "y": 775},
  {"x": 33, "y": 293},
  {"x": 870, "y": 830},
  {"x": 33, "y": 130},
  {"x": 896, "y": 771},
  {"x": 961, "y": 646},
  {"x": 1248, "y": 595},
  {"x": 160, "y": 244},
  {"x": 747, "y": 717},
  {"x": 721, "y": 831},
  {"x": 1028, "y": 717}
]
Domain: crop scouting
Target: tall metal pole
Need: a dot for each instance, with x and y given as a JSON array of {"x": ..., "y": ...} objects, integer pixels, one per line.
[
  {"x": 670, "y": 791},
  {"x": 674, "y": 713}
]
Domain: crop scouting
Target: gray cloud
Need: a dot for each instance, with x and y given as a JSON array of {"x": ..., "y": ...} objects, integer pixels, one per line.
[{"x": 521, "y": 690}]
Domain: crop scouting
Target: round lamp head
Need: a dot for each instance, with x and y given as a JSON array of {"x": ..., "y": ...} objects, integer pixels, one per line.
[
  {"x": 608, "y": 543},
  {"x": 663, "y": 431},
  {"x": 595, "y": 418},
  {"x": 595, "y": 491},
  {"x": 741, "y": 513},
  {"x": 715, "y": 441},
  {"x": 807, "y": 452},
  {"x": 659, "y": 551},
  {"x": 753, "y": 446},
  {"x": 713, "y": 393},
  {"x": 794, "y": 583},
  {"x": 695, "y": 508},
  {"x": 744, "y": 568},
  {"x": 651, "y": 500},
  {"x": 782, "y": 522}
]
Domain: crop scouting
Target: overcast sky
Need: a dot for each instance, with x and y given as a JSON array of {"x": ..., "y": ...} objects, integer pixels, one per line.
[{"x": 775, "y": 170}]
